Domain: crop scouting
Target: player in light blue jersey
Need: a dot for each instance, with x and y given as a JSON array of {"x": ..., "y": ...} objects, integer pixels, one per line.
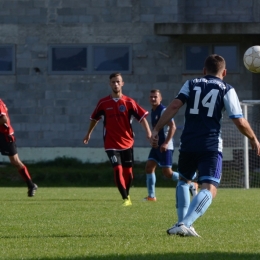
[
  {"x": 162, "y": 155},
  {"x": 201, "y": 144}
]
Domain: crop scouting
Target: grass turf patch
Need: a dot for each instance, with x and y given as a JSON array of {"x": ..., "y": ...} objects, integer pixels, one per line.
[{"x": 90, "y": 223}]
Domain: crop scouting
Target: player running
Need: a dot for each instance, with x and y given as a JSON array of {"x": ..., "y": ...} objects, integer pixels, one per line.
[
  {"x": 117, "y": 111},
  {"x": 8, "y": 148},
  {"x": 201, "y": 144}
]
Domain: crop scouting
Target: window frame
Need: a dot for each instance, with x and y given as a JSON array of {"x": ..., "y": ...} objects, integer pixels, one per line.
[
  {"x": 89, "y": 59},
  {"x": 51, "y": 47},
  {"x": 210, "y": 50},
  {"x": 11, "y": 72}
]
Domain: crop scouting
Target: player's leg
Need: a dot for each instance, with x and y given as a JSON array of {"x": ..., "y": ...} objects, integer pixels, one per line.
[
  {"x": 127, "y": 164},
  {"x": 150, "y": 179},
  {"x": 197, "y": 208},
  {"x": 210, "y": 169},
  {"x": 8, "y": 148},
  {"x": 187, "y": 166},
  {"x": 115, "y": 160},
  {"x": 194, "y": 186},
  {"x": 23, "y": 171},
  {"x": 150, "y": 168},
  {"x": 169, "y": 173},
  {"x": 182, "y": 188},
  {"x": 182, "y": 198},
  {"x": 165, "y": 162},
  {"x": 128, "y": 177}
]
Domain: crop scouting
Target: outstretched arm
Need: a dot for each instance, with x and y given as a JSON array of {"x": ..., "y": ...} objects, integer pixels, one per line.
[
  {"x": 146, "y": 127},
  {"x": 244, "y": 127},
  {"x": 92, "y": 125}
]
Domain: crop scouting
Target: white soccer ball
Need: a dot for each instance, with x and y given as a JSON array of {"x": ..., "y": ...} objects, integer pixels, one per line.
[{"x": 252, "y": 59}]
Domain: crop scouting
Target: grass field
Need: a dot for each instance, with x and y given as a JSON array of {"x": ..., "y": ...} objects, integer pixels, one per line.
[{"x": 90, "y": 223}]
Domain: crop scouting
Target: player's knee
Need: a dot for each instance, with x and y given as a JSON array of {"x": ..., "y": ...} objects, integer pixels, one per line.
[
  {"x": 149, "y": 169},
  {"x": 167, "y": 172},
  {"x": 16, "y": 164},
  {"x": 211, "y": 188},
  {"x": 214, "y": 193}
]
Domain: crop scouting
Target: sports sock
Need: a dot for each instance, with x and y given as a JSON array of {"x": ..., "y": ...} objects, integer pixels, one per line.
[
  {"x": 150, "y": 182},
  {"x": 128, "y": 177},
  {"x": 192, "y": 185},
  {"x": 198, "y": 206},
  {"x": 182, "y": 199},
  {"x": 193, "y": 189},
  {"x": 175, "y": 176},
  {"x": 25, "y": 175},
  {"x": 119, "y": 180}
]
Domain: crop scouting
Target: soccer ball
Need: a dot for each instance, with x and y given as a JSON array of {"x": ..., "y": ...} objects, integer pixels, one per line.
[{"x": 252, "y": 59}]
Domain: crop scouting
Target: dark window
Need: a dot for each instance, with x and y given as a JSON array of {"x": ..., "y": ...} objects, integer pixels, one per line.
[
  {"x": 111, "y": 58},
  {"x": 195, "y": 56},
  {"x": 69, "y": 59},
  {"x": 90, "y": 59},
  {"x": 7, "y": 59},
  {"x": 229, "y": 53}
]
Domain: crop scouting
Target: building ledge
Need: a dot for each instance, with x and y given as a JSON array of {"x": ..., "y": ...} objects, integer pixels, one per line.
[{"x": 206, "y": 28}]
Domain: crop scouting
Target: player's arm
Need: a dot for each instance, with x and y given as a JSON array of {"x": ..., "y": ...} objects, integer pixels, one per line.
[
  {"x": 3, "y": 119},
  {"x": 171, "y": 132},
  {"x": 244, "y": 127},
  {"x": 146, "y": 127},
  {"x": 233, "y": 108},
  {"x": 166, "y": 117},
  {"x": 92, "y": 125}
]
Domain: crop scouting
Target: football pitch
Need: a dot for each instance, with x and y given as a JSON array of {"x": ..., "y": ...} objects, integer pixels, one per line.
[{"x": 90, "y": 223}]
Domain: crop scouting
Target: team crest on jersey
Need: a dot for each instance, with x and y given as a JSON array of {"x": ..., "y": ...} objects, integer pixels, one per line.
[
  {"x": 122, "y": 108},
  {"x": 156, "y": 117}
]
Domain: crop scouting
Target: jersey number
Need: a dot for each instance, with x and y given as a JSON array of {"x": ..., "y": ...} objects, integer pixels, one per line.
[
  {"x": 212, "y": 96},
  {"x": 113, "y": 159}
]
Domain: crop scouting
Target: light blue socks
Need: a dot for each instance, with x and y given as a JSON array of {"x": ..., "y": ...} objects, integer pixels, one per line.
[
  {"x": 150, "y": 182},
  {"x": 182, "y": 199},
  {"x": 175, "y": 176},
  {"x": 198, "y": 206}
]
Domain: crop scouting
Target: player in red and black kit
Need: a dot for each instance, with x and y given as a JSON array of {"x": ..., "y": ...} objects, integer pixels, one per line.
[
  {"x": 8, "y": 148},
  {"x": 117, "y": 111}
]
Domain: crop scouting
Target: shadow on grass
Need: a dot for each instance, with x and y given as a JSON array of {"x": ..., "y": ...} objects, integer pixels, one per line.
[{"x": 175, "y": 256}]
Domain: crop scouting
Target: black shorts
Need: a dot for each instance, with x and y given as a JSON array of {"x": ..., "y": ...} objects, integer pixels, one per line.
[
  {"x": 124, "y": 158},
  {"x": 7, "y": 145}
]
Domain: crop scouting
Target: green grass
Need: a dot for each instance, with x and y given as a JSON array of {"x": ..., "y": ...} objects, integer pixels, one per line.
[{"x": 90, "y": 223}]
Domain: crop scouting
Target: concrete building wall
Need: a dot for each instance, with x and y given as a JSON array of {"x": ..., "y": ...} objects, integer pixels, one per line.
[
  {"x": 224, "y": 11},
  {"x": 53, "y": 110}
]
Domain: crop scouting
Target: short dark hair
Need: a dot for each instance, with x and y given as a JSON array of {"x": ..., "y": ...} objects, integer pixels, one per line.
[
  {"x": 214, "y": 63},
  {"x": 156, "y": 91},
  {"x": 115, "y": 74}
]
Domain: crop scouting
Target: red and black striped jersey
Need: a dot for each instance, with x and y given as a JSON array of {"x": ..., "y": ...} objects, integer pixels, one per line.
[
  {"x": 6, "y": 128},
  {"x": 117, "y": 114}
]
